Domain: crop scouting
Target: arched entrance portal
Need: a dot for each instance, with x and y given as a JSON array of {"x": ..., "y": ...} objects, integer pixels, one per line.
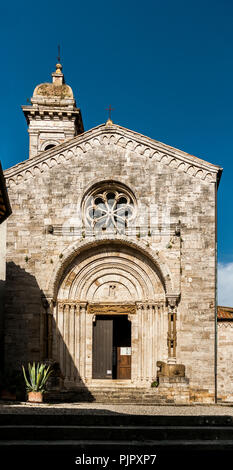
[{"x": 110, "y": 318}]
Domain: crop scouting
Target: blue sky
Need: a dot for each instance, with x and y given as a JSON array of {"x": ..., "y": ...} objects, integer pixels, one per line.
[{"x": 165, "y": 66}]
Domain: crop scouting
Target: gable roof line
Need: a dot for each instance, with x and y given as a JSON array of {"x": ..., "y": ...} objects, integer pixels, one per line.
[
  {"x": 150, "y": 144},
  {"x": 168, "y": 147}
]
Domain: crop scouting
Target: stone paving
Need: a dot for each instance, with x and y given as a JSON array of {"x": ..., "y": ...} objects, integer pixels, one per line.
[{"x": 99, "y": 408}]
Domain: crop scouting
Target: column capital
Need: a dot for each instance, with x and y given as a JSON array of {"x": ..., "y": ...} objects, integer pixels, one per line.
[
  {"x": 82, "y": 304},
  {"x": 140, "y": 305},
  {"x": 47, "y": 302},
  {"x": 172, "y": 300}
]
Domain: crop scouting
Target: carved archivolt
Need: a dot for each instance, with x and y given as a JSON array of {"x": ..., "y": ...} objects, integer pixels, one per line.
[
  {"x": 111, "y": 274},
  {"x": 123, "y": 264},
  {"x": 112, "y": 136}
]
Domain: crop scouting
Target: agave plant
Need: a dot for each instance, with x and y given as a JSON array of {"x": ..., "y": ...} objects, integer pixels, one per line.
[{"x": 38, "y": 376}]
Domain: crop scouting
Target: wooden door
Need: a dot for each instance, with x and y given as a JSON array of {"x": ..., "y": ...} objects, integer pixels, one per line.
[
  {"x": 123, "y": 362},
  {"x": 102, "y": 348}
]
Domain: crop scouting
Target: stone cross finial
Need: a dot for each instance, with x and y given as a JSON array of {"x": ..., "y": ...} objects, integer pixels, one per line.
[
  {"x": 109, "y": 121},
  {"x": 58, "y": 77},
  {"x": 59, "y": 54}
]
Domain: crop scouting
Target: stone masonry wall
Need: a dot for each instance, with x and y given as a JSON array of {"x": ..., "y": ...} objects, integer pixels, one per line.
[{"x": 225, "y": 361}]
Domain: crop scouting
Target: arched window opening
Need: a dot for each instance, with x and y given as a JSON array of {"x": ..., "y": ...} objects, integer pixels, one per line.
[{"x": 50, "y": 146}]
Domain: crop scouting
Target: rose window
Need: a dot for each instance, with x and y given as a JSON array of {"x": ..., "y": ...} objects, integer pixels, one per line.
[{"x": 109, "y": 209}]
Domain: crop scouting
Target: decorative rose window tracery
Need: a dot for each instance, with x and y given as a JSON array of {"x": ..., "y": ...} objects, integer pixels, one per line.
[{"x": 109, "y": 209}]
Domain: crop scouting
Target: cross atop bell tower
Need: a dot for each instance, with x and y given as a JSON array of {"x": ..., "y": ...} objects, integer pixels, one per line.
[
  {"x": 59, "y": 54},
  {"x": 58, "y": 77},
  {"x": 52, "y": 117}
]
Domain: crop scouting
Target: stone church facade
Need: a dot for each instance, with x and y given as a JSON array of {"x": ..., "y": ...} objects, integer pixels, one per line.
[{"x": 111, "y": 257}]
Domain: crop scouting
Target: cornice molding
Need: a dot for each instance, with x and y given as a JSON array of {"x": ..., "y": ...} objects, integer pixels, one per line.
[{"x": 115, "y": 136}]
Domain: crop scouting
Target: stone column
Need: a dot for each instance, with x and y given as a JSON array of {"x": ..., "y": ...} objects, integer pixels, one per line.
[
  {"x": 90, "y": 318},
  {"x": 151, "y": 341},
  {"x": 72, "y": 348},
  {"x": 82, "y": 359},
  {"x": 54, "y": 332},
  {"x": 77, "y": 342},
  {"x": 43, "y": 329},
  {"x": 172, "y": 336},
  {"x": 72, "y": 341},
  {"x": 133, "y": 318},
  {"x": 66, "y": 342},
  {"x": 147, "y": 345},
  {"x": 47, "y": 328},
  {"x": 139, "y": 353},
  {"x": 154, "y": 332},
  {"x": 59, "y": 335},
  {"x": 50, "y": 313}
]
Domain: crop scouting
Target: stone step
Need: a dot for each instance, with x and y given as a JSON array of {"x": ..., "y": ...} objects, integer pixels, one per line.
[
  {"x": 117, "y": 454},
  {"x": 44, "y": 417},
  {"x": 113, "y": 433},
  {"x": 118, "y": 446},
  {"x": 60, "y": 437},
  {"x": 116, "y": 395}
]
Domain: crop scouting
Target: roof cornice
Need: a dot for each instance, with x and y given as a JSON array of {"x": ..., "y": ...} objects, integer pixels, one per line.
[{"x": 125, "y": 138}]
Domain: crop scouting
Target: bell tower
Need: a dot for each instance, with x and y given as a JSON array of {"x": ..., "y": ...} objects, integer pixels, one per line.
[{"x": 52, "y": 116}]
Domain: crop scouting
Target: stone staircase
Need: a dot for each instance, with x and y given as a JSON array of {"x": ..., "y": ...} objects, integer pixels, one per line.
[
  {"x": 61, "y": 437},
  {"x": 164, "y": 394}
]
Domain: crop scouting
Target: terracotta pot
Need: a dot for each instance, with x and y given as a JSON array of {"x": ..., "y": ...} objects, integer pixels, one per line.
[{"x": 35, "y": 397}]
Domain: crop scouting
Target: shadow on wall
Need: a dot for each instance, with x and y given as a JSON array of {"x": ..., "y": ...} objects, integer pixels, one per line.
[
  {"x": 26, "y": 322},
  {"x": 2, "y": 290}
]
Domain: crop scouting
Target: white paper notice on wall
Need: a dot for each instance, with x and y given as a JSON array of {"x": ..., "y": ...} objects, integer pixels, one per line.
[
  {"x": 125, "y": 351},
  {"x": 109, "y": 372}
]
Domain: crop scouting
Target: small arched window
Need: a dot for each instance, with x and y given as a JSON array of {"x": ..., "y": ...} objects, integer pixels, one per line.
[{"x": 50, "y": 146}]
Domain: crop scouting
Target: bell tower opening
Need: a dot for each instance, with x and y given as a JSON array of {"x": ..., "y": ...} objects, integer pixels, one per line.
[
  {"x": 111, "y": 347},
  {"x": 50, "y": 146}
]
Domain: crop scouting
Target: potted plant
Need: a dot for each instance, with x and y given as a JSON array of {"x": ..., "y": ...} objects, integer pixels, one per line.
[
  {"x": 38, "y": 375},
  {"x": 155, "y": 384}
]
